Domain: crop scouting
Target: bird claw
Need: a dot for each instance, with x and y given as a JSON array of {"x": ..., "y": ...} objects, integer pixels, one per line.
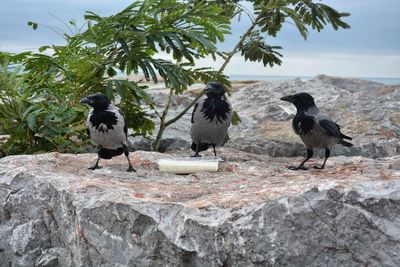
[
  {"x": 219, "y": 159},
  {"x": 196, "y": 156},
  {"x": 131, "y": 169},
  {"x": 319, "y": 167},
  {"x": 95, "y": 167},
  {"x": 294, "y": 168}
]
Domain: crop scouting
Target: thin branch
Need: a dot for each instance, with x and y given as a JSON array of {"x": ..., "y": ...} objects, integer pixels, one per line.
[
  {"x": 247, "y": 12},
  {"x": 163, "y": 125},
  {"x": 54, "y": 29},
  {"x": 221, "y": 69},
  {"x": 157, "y": 113},
  {"x": 60, "y": 20}
]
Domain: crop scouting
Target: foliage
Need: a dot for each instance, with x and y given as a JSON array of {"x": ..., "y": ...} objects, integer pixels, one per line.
[
  {"x": 273, "y": 14},
  {"x": 35, "y": 122},
  {"x": 254, "y": 48},
  {"x": 131, "y": 39},
  {"x": 39, "y": 99},
  {"x": 268, "y": 17},
  {"x": 235, "y": 118},
  {"x": 40, "y": 92},
  {"x": 40, "y": 104},
  {"x": 186, "y": 30}
]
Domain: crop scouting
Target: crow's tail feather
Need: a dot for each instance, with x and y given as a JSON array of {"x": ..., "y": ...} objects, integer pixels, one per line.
[
  {"x": 344, "y": 143},
  {"x": 105, "y": 153},
  {"x": 345, "y": 136},
  {"x": 202, "y": 146}
]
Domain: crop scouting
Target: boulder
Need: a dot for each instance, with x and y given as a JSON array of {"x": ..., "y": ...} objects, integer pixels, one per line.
[
  {"x": 253, "y": 212},
  {"x": 367, "y": 111}
]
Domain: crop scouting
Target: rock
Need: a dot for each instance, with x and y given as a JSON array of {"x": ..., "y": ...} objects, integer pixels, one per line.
[
  {"x": 277, "y": 148},
  {"x": 166, "y": 144},
  {"x": 173, "y": 144},
  {"x": 140, "y": 143},
  {"x": 253, "y": 212},
  {"x": 350, "y": 84},
  {"x": 366, "y": 110},
  {"x": 49, "y": 258}
]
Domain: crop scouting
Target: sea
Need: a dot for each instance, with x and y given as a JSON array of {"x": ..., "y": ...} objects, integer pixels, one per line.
[{"x": 387, "y": 81}]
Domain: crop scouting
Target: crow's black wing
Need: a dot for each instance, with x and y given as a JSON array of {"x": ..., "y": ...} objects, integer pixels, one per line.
[
  {"x": 332, "y": 128},
  {"x": 202, "y": 147},
  {"x": 194, "y": 110},
  {"x": 87, "y": 126},
  {"x": 303, "y": 124}
]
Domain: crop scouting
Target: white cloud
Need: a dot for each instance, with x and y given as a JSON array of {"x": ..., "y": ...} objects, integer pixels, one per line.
[
  {"x": 346, "y": 65},
  {"x": 366, "y": 50}
]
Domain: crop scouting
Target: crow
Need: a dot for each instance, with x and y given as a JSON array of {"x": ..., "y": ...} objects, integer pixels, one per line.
[
  {"x": 211, "y": 118},
  {"x": 106, "y": 126},
  {"x": 315, "y": 129}
]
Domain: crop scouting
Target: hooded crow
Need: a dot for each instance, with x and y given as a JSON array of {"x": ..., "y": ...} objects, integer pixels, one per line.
[
  {"x": 315, "y": 129},
  {"x": 211, "y": 118},
  {"x": 106, "y": 126}
]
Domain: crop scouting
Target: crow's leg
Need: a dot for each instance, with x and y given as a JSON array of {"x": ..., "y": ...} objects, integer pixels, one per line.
[
  {"x": 301, "y": 166},
  {"x": 215, "y": 153},
  {"x": 196, "y": 154},
  {"x": 327, "y": 154},
  {"x": 126, "y": 152},
  {"x": 96, "y": 165}
]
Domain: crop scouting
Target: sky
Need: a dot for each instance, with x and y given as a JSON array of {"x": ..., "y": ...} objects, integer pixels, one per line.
[{"x": 371, "y": 48}]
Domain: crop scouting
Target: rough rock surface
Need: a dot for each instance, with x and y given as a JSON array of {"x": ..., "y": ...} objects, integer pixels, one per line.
[
  {"x": 253, "y": 212},
  {"x": 366, "y": 110}
]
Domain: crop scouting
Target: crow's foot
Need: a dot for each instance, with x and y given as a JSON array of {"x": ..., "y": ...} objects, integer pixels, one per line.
[
  {"x": 298, "y": 168},
  {"x": 95, "y": 167},
  {"x": 130, "y": 169},
  {"x": 319, "y": 167},
  {"x": 219, "y": 159}
]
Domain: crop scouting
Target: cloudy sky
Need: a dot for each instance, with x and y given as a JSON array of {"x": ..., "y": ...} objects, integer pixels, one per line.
[{"x": 371, "y": 48}]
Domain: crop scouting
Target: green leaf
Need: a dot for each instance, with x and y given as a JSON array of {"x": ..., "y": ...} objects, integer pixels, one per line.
[
  {"x": 40, "y": 93},
  {"x": 44, "y": 48},
  {"x": 235, "y": 118},
  {"x": 32, "y": 119},
  {"x": 111, "y": 72},
  {"x": 34, "y": 25},
  {"x": 254, "y": 48}
]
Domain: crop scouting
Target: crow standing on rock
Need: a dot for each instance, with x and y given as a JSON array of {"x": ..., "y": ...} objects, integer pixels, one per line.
[
  {"x": 106, "y": 126},
  {"x": 211, "y": 118},
  {"x": 315, "y": 129}
]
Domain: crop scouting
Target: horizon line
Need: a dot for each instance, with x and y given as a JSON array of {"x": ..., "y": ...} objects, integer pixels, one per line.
[{"x": 311, "y": 76}]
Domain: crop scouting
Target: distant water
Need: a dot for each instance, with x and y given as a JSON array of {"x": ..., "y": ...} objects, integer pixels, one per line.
[{"x": 388, "y": 81}]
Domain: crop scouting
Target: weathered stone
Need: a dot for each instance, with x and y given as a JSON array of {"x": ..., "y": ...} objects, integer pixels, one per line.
[
  {"x": 49, "y": 257},
  {"x": 367, "y": 111},
  {"x": 28, "y": 240},
  {"x": 253, "y": 212}
]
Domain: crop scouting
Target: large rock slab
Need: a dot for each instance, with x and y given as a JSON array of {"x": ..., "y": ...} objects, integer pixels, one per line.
[
  {"x": 253, "y": 212},
  {"x": 366, "y": 110}
]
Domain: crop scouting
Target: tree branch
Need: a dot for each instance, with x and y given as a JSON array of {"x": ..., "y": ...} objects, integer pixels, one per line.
[{"x": 221, "y": 69}]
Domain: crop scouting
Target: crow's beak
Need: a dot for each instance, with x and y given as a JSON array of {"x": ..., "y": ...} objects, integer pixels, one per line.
[
  {"x": 85, "y": 100},
  {"x": 288, "y": 98}
]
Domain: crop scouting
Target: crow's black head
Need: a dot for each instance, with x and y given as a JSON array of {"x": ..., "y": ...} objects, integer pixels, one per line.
[
  {"x": 302, "y": 101},
  {"x": 214, "y": 89},
  {"x": 97, "y": 100}
]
